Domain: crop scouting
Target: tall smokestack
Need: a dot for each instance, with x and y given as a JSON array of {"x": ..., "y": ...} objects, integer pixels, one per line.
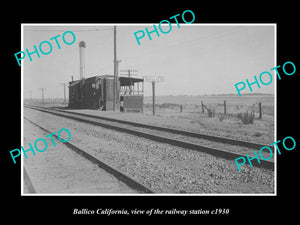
[{"x": 82, "y": 47}]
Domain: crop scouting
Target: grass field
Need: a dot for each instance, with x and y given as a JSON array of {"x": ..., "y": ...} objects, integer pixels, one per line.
[
  {"x": 230, "y": 125},
  {"x": 234, "y": 104},
  {"x": 192, "y": 118}
]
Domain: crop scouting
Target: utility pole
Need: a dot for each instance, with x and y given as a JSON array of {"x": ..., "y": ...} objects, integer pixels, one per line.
[
  {"x": 64, "y": 85},
  {"x": 115, "y": 68},
  {"x": 153, "y": 80},
  {"x": 129, "y": 73},
  {"x": 153, "y": 97},
  {"x": 43, "y": 94},
  {"x": 116, "y": 64}
]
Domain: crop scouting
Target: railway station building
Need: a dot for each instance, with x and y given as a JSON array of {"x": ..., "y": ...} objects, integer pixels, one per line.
[{"x": 97, "y": 92}]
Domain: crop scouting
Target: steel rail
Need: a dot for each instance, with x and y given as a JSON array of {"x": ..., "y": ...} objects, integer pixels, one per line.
[
  {"x": 201, "y": 148},
  {"x": 130, "y": 182},
  {"x": 224, "y": 140},
  {"x": 28, "y": 182}
]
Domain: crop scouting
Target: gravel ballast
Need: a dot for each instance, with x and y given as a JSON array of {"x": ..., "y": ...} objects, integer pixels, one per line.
[
  {"x": 162, "y": 167},
  {"x": 59, "y": 170},
  {"x": 262, "y": 131}
]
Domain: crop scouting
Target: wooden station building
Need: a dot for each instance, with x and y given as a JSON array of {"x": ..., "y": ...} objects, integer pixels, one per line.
[{"x": 97, "y": 92}]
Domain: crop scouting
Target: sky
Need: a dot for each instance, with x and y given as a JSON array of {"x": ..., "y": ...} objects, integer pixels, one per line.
[{"x": 195, "y": 59}]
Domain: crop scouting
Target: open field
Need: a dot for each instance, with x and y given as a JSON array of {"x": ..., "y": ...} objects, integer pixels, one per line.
[
  {"x": 193, "y": 119},
  {"x": 235, "y": 103},
  {"x": 229, "y": 125}
]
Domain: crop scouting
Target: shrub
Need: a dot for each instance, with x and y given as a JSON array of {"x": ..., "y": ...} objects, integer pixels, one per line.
[
  {"x": 246, "y": 117},
  {"x": 211, "y": 112},
  {"x": 221, "y": 117},
  {"x": 168, "y": 105},
  {"x": 257, "y": 134}
]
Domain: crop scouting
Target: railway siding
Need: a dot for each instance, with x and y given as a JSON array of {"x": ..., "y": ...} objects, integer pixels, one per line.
[
  {"x": 162, "y": 167},
  {"x": 60, "y": 170},
  {"x": 212, "y": 146}
]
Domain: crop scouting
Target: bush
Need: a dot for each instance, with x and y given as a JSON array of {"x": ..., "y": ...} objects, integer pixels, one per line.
[
  {"x": 221, "y": 117},
  {"x": 168, "y": 105},
  {"x": 211, "y": 112},
  {"x": 246, "y": 117}
]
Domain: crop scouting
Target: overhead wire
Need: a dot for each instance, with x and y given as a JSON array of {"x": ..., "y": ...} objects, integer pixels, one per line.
[{"x": 58, "y": 30}]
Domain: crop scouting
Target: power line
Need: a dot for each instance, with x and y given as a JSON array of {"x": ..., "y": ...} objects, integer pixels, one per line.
[{"x": 67, "y": 30}]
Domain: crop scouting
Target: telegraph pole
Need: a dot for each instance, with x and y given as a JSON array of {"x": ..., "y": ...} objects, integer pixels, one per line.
[
  {"x": 115, "y": 68},
  {"x": 43, "y": 94},
  {"x": 64, "y": 85},
  {"x": 153, "y": 80},
  {"x": 153, "y": 97},
  {"x": 129, "y": 73}
]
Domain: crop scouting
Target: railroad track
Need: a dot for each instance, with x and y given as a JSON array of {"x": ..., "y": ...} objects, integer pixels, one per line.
[
  {"x": 28, "y": 182},
  {"x": 130, "y": 182},
  {"x": 180, "y": 138},
  {"x": 176, "y": 131}
]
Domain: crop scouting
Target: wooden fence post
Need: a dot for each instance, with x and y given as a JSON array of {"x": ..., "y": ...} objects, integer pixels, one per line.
[
  {"x": 202, "y": 107},
  {"x": 260, "y": 111},
  {"x": 153, "y": 97},
  {"x": 224, "y": 107}
]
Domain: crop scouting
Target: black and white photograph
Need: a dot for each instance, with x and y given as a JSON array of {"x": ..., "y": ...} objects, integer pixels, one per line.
[{"x": 148, "y": 112}]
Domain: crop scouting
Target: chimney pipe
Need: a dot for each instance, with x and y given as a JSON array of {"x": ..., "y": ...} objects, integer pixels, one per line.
[{"x": 82, "y": 47}]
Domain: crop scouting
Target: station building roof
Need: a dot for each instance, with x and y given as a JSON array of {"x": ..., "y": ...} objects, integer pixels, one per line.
[
  {"x": 127, "y": 81},
  {"x": 124, "y": 81}
]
